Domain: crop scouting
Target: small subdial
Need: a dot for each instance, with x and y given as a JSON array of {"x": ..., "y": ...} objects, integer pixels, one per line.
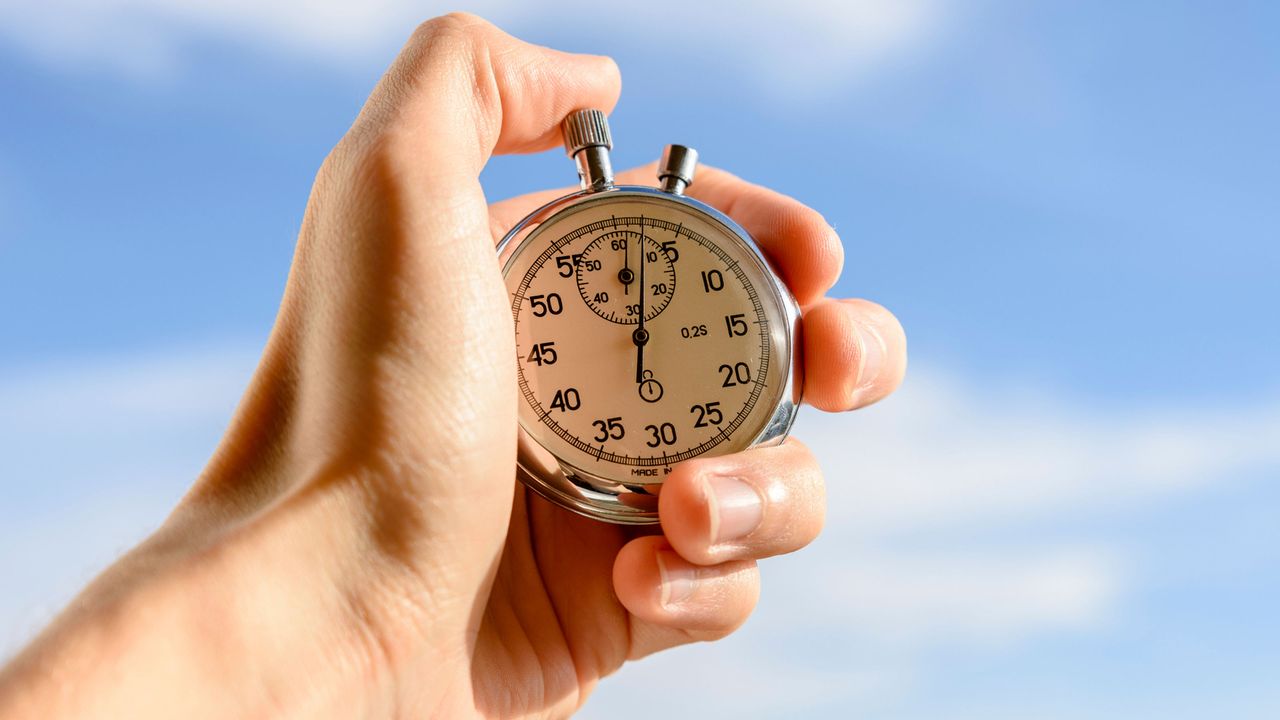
[{"x": 609, "y": 276}]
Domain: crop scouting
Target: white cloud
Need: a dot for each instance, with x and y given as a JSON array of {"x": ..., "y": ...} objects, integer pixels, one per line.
[
  {"x": 942, "y": 453},
  {"x": 804, "y": 46},
  {"x": 936, "y": 539},
  {"x": 968, "y": 595},
  {"x": 940, "y": 539},
  {"x": 735, "y": 679},
  {"x": 852, "y": 628},
  {"x": 134, "y": 391}
]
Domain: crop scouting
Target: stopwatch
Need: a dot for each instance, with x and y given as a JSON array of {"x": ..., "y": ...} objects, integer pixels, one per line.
[{"x": 650, "y": 329}]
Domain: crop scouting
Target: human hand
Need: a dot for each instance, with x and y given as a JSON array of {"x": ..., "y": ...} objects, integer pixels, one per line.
[{"x": 358, "y": 545}]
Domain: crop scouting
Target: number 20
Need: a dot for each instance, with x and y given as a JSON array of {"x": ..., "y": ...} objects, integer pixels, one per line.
[{"x": 737, "y": 374}]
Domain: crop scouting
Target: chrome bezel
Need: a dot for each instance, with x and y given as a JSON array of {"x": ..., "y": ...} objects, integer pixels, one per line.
[{"x": 607, "y": 500}]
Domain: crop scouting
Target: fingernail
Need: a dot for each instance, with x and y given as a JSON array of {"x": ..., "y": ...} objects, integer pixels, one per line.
[
  {"x": 735, "y": 508},
  {"x": 872, "y": 352},
  {"x": 677, "y": 578}
]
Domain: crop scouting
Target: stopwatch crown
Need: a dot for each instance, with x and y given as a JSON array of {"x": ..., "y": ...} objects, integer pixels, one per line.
[
  {"x": 587, "y": 141},
  {"x": 585, "y": 128}
]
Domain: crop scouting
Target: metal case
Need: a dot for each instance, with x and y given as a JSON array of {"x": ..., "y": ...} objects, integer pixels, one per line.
[{"x": 637, "y": 504}]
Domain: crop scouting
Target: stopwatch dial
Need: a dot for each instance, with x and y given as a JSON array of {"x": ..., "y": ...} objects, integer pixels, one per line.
[
  {"x": 608, "y": 276},
  {"x": 616, "y": 400}
]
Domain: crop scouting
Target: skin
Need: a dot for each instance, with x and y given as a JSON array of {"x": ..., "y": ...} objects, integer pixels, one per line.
[{"x": 357, "y": 546}]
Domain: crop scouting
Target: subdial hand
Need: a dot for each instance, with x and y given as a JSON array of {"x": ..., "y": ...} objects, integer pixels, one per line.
[{"x": 625, "y": 276}]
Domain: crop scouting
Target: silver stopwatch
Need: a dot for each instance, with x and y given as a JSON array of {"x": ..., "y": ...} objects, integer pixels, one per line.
[{"x": 649, "y": 330}]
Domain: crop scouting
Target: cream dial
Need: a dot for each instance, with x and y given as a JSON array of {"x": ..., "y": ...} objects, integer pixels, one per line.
[{"x": 647, "y": 333}]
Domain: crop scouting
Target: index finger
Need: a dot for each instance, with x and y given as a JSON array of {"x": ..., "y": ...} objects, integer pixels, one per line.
[{"x": 802, "y": 246}]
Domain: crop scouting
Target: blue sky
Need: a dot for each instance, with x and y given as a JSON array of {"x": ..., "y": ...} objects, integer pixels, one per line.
[{"x": 1071, "y": 510}]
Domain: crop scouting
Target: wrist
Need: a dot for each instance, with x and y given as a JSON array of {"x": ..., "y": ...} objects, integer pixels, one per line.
[{"x": 233, "y": 628}]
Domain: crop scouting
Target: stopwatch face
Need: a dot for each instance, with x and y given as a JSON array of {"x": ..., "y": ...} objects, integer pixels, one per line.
[{"x": 647, "y": 332}]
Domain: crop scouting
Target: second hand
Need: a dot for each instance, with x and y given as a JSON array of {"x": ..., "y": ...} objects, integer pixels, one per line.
[{"x": 641, "y": 336}]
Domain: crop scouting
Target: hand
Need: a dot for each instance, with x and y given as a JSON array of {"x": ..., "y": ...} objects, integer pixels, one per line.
[{"x": 358, "y": 545}]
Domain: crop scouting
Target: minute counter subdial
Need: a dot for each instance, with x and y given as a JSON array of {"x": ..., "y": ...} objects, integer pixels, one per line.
[{"x": 608, "y": 277}]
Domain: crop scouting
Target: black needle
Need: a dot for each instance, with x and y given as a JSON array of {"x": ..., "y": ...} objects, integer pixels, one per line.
[{"x": 641, "y": 336}]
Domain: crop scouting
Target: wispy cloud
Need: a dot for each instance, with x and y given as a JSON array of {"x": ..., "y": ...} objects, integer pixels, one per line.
[
  {"x": 853, "y": 627},
  {"x": 796, "y": 47},
  {"x": 945, "y": 454},
  {"x": 943, "y": 504},
  {"x": 93, "y": 454},
  {"x": 934, "y": 540}
]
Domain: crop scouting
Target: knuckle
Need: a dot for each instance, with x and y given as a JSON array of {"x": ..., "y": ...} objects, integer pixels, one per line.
[
  {"x": 465, "y": 52},
  {"x": 452, "y": 26},
  {"x": 798, "y": 512},
  {"x": 720, "y": 632},
  {"x": 498, "y": 228},
  {"x": 724, "y": 604},
  {"x": 440, "y": 57},
  {"x": 889, "y": 329},
  {"x": 825, "y": 249},
  {"x": 831, "y": 248},
  {"x": 741, "y": 595},
  {"x": 447, "y": 46},
  {"x": 873, "y": 310},
  {"x": 879, "y": 316}
]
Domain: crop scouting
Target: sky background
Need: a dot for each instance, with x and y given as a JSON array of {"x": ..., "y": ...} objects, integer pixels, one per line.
[{"x": 1070, "y": 510}]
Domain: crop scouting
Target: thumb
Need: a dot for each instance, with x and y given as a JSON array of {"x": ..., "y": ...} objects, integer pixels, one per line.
[
  {"x": 460, "y": 91},
  {"x": 394, "y": 345},
  {"x": 369, "y": 466}
]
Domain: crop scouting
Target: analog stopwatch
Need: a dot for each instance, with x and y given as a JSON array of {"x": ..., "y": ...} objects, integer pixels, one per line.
[{"x": 649, "y": 330}]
